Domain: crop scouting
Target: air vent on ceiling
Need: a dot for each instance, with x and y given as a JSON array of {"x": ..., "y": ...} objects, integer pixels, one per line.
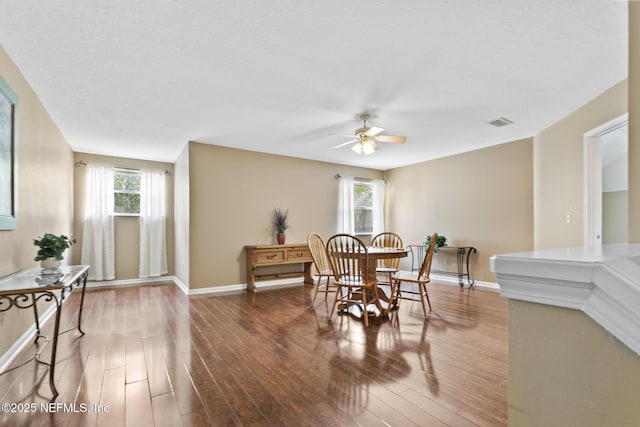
[{"x": 500, "y": 122}]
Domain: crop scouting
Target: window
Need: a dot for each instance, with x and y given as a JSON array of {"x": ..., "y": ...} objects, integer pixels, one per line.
[
  {"x": 362, "y": 207},
  {"x": 126, "y": 192}
]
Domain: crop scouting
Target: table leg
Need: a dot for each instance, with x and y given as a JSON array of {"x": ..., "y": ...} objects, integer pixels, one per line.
[
  {"x": 37, "y": 318},
  {"x": 251, "y": 280},
  {"x": 463, "y": 255},
  {"x": 84, "y": 285},
  {"x": 469, "y": 279},
  {"x": 460, "y": 261},
  {"x": 54, "y": 349},
  {"x": 308, "y": 279}
]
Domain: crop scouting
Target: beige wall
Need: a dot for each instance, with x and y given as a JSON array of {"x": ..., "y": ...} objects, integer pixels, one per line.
[
  {"x": 232, "y": 195},
  {"x": 559, "y": 168},
  {"x": 126, "y": 229},
  {"x": 566, "y": 370},
  {"x": 45, "y": 192},
  {"x": 481, "y": 198}
]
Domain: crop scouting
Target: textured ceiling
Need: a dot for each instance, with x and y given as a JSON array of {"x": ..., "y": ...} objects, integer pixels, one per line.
[{"x": 141, "y": 78}]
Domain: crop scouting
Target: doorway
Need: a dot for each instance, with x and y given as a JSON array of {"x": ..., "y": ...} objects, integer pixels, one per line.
[{"x": 606, "y": 183}]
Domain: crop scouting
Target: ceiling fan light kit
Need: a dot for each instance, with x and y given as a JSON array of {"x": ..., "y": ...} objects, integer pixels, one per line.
[
  {"x": 365, "y": 146},
  {"x": 366, "y": 138}
]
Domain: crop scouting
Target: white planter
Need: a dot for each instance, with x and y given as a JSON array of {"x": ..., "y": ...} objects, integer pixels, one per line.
[{"x": 50, "y": 264}]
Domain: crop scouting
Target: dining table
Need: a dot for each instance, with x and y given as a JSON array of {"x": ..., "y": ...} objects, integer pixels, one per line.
[{"x": 375, "y": 253}]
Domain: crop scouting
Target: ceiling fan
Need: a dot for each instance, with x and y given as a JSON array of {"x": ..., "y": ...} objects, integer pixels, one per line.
[{"x": 366, "y": 137}]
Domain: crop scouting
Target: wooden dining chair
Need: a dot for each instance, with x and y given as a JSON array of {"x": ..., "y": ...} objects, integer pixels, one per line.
[
  {"x": 349, "y": 261},
  {"x": 409, "y": 284},
  {"x": 323, "y": 266},
  {"x": 389, "y": 266}
]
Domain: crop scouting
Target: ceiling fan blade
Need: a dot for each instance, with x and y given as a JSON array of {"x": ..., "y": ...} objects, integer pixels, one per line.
[
  {"x": 389, "y": 138},
  {"x": 373, "y": 131},
  {"x": 346, "y": 143}
]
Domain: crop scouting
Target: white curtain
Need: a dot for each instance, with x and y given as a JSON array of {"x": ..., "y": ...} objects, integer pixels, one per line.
[
  {"x": 378, "y": 206},
  {"x": 153, "y": 249},
  {"x": 98, "y": 247},
  {"x": 345, "y": 205}
]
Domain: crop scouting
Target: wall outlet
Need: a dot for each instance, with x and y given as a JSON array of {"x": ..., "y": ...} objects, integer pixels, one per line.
[{"x": 568, "y": 219}]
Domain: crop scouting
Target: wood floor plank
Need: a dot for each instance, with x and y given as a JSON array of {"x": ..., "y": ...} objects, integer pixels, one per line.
[
  {"x": 204, "y": 393},
  {"x": 138, "y": 410},
  {"x": 136, "y": 367},
  {"x": 89, "y": 391},
  {"x": 112, "y": 399},
  {"x": 159, "y": 382},
  {"x": 165, "y": 411}
]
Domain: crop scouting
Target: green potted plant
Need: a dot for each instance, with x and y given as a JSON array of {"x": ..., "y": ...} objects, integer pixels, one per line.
[
  {"x": 280, "y": 222},
  {"x": 440, "y": 241},
  {"x": 51, "y": 247}
]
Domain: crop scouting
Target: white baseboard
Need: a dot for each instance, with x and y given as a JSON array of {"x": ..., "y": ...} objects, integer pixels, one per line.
[
  {"x": 261, "y": 285},
  {"x": 452, "y": 280},
  {"x": 132, "y": 282}
]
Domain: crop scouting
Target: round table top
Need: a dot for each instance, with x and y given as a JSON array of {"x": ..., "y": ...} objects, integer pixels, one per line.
[
  {"x": 383, "y": 252},
  {"x": 374, "y": 252}
]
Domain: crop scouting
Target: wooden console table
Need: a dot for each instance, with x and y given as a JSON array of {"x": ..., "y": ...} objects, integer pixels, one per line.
[
  {"x": 25, "y": 289},
  {"x": 270, "y": 255}
]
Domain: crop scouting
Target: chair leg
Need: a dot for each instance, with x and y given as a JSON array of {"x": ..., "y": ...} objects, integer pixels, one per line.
[
  {"x": 423, "y": 295},
  {"x": 318, "y": 286},
  {"x": 398, "y": 294},
  {"x": 365, "y": 314},
  {"x": 335, "y": 301},
  {"x": 378, "y": 301},
  {"x": 426, "y": 294},
  {"x": 424, "y": 309},
  {"x": 393, "y": 300},
  {"x": 315, "y": 294}
]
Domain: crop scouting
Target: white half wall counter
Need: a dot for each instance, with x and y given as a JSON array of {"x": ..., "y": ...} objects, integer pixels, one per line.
[{"x": 602, "y": 281}]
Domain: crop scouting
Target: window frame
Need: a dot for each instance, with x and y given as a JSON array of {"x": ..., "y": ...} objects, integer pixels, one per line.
[
  {"x": 130, "y": 172},
  {"x": 363, "y": 183}
]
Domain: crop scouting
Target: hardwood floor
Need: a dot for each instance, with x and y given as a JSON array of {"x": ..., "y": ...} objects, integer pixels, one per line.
[{"x": 152, "y": 356}]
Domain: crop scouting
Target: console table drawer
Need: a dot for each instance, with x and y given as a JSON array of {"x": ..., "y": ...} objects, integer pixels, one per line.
[
  {"x": 299, "y": 254},
  {"x": 269, "y": 257}
]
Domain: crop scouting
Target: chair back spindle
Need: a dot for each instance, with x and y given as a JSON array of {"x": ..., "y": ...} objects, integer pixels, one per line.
[{"x": 387, "y": 239}]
